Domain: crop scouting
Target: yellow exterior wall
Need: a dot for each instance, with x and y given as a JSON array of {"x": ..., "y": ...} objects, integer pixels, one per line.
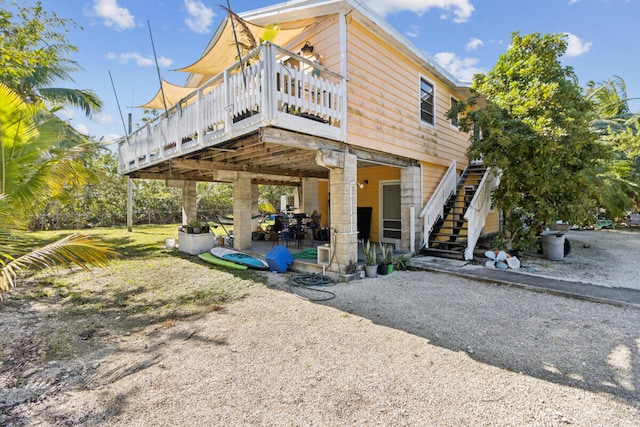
[
  {"x": 384, "y": 104},
  {"x": 384, "y": 112},
  {"x": 493, "y": 223},
  {"x": 323, "y": 202},
  {"x": 369, "y": 195}
]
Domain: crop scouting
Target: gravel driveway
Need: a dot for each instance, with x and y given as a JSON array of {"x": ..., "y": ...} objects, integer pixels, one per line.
[{"x": 411, "y": 348}]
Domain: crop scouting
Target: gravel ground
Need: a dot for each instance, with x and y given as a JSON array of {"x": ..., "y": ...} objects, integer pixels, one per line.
[
  {"x": 410, "y": 348},
  {"x": 601, "y": 257}
]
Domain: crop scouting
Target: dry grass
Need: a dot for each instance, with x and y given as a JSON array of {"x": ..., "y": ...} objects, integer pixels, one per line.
[{"x": 148, "y": 285}]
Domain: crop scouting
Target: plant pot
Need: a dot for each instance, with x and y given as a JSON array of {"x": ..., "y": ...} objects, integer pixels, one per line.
[
  {"x": 189, "y": 230},
  {"x": 384, "y": 269},
  {"x": 371, "y": 270},
  {"x": 197, "y": 230}
]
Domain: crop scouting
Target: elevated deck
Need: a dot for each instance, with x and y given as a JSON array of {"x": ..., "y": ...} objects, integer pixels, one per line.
[{"x": 219, "y": 125}]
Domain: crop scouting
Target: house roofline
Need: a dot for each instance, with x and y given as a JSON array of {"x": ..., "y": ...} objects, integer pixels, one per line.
[{"x": 302, "y": 9}]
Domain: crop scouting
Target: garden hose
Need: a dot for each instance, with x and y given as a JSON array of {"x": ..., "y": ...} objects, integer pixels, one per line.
[{"x": 307, "y": 284}]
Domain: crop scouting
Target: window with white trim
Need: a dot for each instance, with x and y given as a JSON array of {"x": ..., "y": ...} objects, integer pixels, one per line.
[{"x": 427, "y": 102}]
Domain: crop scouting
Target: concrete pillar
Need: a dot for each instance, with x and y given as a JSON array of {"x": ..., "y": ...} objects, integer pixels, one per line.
[
  {"x": 410, "y": 196},
  {"x": 255, "y": 206},
  {"x": 309, "y": 195},
  {"x": 242, "y": 204},
  {"x": 344, "y": 202},
  {"x": 189, "y": 201}
]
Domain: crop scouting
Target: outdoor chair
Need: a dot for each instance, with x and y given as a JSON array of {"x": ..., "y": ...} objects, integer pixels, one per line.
[{"x": 604, "y": 223}]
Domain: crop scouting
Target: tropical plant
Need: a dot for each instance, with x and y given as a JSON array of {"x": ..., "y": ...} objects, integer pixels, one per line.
[
  {"x": 34, "y": 54},
  {"x": 535, "y": 130},
  {"x": 33, "y": 165},
  {"x": 617, "y": 174},
  {"x": 370, "y": 255},
  {"x": 386, "y": 252}
]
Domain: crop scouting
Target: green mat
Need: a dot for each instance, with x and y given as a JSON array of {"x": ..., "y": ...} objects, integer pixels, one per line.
[{"x": 311, "y": 253}]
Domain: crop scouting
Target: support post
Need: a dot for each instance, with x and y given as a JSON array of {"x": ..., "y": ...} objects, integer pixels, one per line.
[
  {"x": 410, "y": 202},
  {"x": 242, "y": 202},
  {"x": 189, "y": 201},
  {"x": 129, "y": 204},
  {"x": 344, "y": 202}
]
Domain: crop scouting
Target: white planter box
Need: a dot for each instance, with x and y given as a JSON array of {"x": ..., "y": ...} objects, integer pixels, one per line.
[{"x": 195, "y": 244}]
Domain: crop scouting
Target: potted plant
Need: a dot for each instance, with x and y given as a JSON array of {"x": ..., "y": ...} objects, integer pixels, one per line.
[
  {"x": 386, "y": 265},
  {"x": 194, "y": 226},
  {"x": 371, "y": 261}
]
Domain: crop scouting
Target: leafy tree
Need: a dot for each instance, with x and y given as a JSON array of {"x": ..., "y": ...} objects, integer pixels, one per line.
[
  {"x": 31, "y": 165},
  {"x": 34, "y": 54},
  {"x": 534, "y": 129}
]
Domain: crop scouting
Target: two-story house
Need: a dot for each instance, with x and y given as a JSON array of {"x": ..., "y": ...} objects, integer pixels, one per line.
[{"x": 339, "y": 104}]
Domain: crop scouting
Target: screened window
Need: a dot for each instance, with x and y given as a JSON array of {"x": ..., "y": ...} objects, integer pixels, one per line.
[
  {"x": 427, "y": 105},
  {"x": 454, "y": 120}
]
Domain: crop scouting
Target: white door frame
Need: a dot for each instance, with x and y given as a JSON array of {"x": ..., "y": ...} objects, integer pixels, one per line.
[{"x": 381, "y": 218}]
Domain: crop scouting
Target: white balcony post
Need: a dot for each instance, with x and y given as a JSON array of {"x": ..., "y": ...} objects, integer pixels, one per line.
[
  {"x": 268, "y": 95},
  {"x": 228, "y": 109},
  {"x": 200, "y": 116}
]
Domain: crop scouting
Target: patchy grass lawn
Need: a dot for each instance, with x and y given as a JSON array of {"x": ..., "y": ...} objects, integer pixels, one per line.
[{"x": 147, "y": 285}]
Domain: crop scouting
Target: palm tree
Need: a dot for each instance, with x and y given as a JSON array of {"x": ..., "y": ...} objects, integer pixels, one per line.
[
  {"x": 34, "y": 55},
  {"x": 32, "y": 166},
  {"x": 617, "y": 175}
]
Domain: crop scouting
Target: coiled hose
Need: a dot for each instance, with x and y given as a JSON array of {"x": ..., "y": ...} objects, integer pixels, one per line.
[{"x": 306, "y": 285}]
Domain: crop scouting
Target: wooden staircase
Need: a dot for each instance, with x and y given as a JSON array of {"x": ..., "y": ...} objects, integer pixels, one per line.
[{"x": 448, "y": 237}]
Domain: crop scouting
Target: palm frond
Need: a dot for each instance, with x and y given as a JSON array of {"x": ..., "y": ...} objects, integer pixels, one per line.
[
  {"x": 84, "y": 99},
  {"x": 251, "y": 43},
  {"x": 74, "y": 249}
]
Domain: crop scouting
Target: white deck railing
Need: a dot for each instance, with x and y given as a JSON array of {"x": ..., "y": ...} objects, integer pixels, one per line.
[
  {"x": 476, "y": 214},
  {"x": 434, "y": 209},
  {"x": 305, "y": 97}
]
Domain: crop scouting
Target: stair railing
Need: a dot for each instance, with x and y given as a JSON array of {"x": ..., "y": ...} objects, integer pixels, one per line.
[
  {"x": 434, "y": 209},
  {"x": 476, "y": 214}
]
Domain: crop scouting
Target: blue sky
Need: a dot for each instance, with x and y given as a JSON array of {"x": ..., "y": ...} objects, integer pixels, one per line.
[{"x": 464, "y": 36}]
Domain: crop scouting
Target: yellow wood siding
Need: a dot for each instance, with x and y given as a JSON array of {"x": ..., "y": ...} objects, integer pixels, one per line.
[
  {"x": 493, "y": 223},
  {"x": 325, "y": 39},
  {"x": 383, "y": 98}
]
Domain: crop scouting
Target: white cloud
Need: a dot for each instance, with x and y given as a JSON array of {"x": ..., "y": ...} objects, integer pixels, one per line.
[
  {"x": 576, "y": 46},
  {"x": 199, "y": 17},
  {"x": 141, "y": 61},
  {"x": 462, "y": 68},
  {"x": 80, "y": 127},
  {"x": 114, "y": 16},
  {"x": 413, "y": 31},
  {"x": 66, "y": 114},
  {"x": 103, "y": 118},
  {"x": 462, "y": 9},
  {"x": 474, "y": 43},
  {"x": 110, "y": 138}
]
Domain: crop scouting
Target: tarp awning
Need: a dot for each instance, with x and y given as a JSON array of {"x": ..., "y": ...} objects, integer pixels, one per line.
[
  {"x": 223, "y": 53},
  {"x": 172, "y": 95}
]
